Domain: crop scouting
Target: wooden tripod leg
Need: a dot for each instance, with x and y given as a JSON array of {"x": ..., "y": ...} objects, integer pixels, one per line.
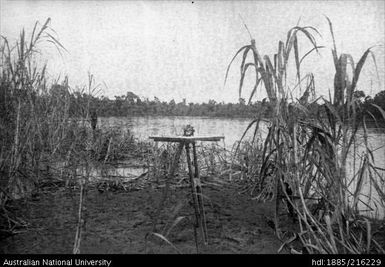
[
  {"x": 194, "y": 196},
  {"x": 171, "y": 172},
  {"x": 200, "y": 198}
]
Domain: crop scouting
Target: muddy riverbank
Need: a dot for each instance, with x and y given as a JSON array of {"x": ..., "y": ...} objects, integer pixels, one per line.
[{"x": 118, "y": 222}]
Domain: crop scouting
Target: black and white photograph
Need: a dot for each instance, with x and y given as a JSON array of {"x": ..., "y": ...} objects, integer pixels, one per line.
[{"x": 192, "y": 127}]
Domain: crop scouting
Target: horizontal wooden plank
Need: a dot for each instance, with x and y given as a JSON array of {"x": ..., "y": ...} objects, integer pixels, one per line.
[{"x": 186, "y": 139}]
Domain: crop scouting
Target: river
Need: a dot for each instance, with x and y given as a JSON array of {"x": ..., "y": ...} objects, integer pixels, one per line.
[{"x": 232, "y": 129}]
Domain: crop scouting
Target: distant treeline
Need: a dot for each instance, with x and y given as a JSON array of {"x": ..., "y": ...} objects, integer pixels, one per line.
[
  {"x": 132, "y": 105},
  {"x": 126, "y": 106}
]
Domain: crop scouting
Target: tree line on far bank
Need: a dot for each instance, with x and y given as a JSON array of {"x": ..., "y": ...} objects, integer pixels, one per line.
[{"x": 132, "y": 105}]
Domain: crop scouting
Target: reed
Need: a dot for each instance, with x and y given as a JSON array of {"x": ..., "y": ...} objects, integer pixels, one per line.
[
  {"x": 307, "y": 151},
  {"x": 45, "y": 132}
]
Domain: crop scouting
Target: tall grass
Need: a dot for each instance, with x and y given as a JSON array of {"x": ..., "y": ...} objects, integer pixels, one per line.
[
  {"x": 309, "y": 150},
  {"x": 32, "y": 122},
  {"x": 45, "y": 135}
]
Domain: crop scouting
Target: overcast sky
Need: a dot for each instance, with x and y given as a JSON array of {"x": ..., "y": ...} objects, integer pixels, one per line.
[{"x": 180, "y": 49}]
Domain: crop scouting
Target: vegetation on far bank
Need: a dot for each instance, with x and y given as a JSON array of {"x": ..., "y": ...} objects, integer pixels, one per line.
[{"x": 132, "y": 105}]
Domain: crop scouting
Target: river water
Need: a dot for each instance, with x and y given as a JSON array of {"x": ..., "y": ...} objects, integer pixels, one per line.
[
  {"x": 143, "y": 127},
  {"x": 233, "y": 128}
]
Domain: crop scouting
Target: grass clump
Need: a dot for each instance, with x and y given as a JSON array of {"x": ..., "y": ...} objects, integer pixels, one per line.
[
  {"x": 45, "y": 131},
  {"x": 305, "y": 153}
]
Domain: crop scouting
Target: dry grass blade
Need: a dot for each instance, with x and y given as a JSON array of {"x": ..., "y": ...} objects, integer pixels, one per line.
[
  {"x": 368, "y": 235},
  {"x": 309, "y": 52},
  {"x": 175, "y": 223},
  {"x": 167, "y": 241},
  {"x": 359, "y": 66},
  {"x": 333, "y": 111},
  {"x": 243, "y": 72},
  {"x": 334, "y": 50},
  {"x": 339, "y": 80},
  {"x": 380, "y": 110},
  {"x": 254, "y": 90},
  {"x": 360, "y": 182},
  {"x": 296, "y": 56},
  {"x": 236, "y": 54},
  {"x": 244, "y": 24}
]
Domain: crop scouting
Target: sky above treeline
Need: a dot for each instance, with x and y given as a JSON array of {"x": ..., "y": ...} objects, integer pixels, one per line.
[{"x": 181, "y": 49}]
